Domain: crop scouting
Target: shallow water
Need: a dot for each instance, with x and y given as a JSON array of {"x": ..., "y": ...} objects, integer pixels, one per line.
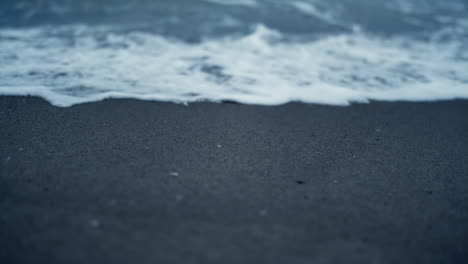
[{"x": 256, "y": 52}]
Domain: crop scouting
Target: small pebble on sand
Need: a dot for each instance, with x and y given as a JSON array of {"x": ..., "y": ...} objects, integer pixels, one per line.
[{"x": 94, "y": 223}]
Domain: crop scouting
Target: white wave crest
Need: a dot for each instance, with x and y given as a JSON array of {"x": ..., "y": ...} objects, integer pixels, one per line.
[{"x": 75, "y": 64}]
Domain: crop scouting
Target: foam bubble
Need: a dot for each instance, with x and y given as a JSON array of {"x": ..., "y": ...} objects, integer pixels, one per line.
[{"x": 77, "y": 63}]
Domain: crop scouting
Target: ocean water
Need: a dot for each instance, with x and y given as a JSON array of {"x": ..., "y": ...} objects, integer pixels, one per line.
[{"x": 248, "y": 51}]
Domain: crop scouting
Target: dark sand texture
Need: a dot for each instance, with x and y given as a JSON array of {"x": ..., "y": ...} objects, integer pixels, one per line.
[{"x": 370, "y": 183}]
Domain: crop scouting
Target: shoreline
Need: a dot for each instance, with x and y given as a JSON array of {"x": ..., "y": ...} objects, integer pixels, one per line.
[{"x": 124, "y": 181}]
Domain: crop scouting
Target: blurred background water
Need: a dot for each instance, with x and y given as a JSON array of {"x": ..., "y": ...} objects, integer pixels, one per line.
[{"x": 249, "y": 51}]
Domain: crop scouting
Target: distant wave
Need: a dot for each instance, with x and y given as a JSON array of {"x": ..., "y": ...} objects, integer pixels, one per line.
[{"x": 251, "y": 3}]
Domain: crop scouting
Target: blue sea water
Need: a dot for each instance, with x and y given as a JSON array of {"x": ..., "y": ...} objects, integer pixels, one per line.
[{"x": 249, "y": 51}]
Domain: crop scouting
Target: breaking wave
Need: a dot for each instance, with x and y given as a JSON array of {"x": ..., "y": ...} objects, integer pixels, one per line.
[{"x": 77, "y": 63}]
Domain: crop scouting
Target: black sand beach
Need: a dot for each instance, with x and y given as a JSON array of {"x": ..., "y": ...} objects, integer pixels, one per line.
[{"x": 127, "y": 181}]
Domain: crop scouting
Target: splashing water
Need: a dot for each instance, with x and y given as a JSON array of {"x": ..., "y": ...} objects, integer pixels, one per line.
[{"x": 328, "y": 60}]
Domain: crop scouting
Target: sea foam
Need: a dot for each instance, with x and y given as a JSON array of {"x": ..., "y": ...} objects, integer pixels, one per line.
[{"x": 77, "y": 63}]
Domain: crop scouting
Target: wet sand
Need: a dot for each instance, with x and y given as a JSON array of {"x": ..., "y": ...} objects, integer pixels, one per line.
[{"x": 127, "y": 181}]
